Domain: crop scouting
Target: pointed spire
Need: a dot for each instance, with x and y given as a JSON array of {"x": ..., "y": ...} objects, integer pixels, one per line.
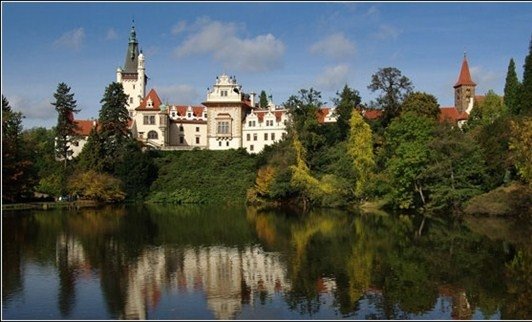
[
  {"x": 131, "y": 61},
  {"x": 465, "y": 77}
]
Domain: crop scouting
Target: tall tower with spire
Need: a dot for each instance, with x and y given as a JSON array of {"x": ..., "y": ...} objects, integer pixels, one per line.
[
  {"x": 464, "y": 89},
  {"x": 132, "y": 75}
]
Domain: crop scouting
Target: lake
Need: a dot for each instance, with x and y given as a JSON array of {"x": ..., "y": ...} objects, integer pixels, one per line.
[{"x": 211, "y": 262}]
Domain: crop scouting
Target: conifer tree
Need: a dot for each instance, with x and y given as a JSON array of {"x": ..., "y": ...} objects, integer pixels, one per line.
[
  {"x": 345, "y": 103},
  {"x": 263, "y": 100},
  {"x": 512, "y": 89},
  {"x": 526, "y": 92},
  {"x": 65, "y": 105},
  {"x": 17, "y": 179},
  {"x": 113, "y": 123}
]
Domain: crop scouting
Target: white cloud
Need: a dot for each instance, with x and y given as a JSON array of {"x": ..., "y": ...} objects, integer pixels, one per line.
[
  {"x": 178, "y": 94},
  {"x": 33, "y": 109},
  {"x": 335, "y": 46},
  {"x": 179, "y": 27},
  {"x": 71, "y": 39},
  {"x": 372, "y": 11},
  {"x": 258, "y": 54},
  {"x": 333, "y": 78},
  {"x": 485, "y": 79},
  {"x": 387, "y": 32},
  {"x": 111, "y": 34}
]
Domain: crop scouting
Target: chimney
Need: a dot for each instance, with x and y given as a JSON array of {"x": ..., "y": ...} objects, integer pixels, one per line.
[{"x": 252, "y": 98}]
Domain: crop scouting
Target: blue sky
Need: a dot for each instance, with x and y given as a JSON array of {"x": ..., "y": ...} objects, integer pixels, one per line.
[{"x": 279, "y": 47}]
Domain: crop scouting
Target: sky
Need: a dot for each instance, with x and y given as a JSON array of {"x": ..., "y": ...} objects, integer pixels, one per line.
[{"x": 278, "y": 47}]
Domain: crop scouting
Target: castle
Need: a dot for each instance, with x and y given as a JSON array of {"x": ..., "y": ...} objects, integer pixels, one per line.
[{"x": 228, "y": 118}]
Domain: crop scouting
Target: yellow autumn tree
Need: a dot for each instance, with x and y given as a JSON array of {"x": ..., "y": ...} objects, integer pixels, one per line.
[
  {"x": 360, "y": 149},
  {"x": 97, "y": 186}
]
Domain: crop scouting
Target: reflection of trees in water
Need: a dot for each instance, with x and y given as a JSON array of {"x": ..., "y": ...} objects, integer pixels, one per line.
[
  {"x": 368, "y": 253},
  {"x": 352, "y": 258}
]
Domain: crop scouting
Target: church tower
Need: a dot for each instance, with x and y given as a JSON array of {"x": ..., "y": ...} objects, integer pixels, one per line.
[
  {"x": 464, "y": 89},
  {"x": 133, "y": 74}
]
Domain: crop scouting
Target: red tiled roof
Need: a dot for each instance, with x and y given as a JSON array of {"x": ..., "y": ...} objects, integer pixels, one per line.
[
  {"x": 156, "y": 102},
  {"x": 372, "y": 114},
  {"x": 260, "y": 115},
  {"x": 197, "y": 111},
  {"x": 465, "y": 77},
  {"x": 452, "y": 114},
  {"x": 84, "y": 127},
  {"x": 322, "y": 113}
]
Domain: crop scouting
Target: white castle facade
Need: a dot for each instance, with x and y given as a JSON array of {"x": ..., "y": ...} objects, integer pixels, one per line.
[{"x": 227, "y": 119}]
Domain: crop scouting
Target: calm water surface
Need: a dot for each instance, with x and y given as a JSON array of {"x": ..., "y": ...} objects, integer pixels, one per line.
[{"x": 236, "y": 263}]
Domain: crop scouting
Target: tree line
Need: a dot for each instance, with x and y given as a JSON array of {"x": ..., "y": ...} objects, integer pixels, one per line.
[{"x": 407, "y": 159}]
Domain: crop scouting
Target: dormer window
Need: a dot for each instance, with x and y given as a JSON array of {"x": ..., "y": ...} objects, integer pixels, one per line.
[
  {"x": 149, "y": 103},
  {"x": 189, "y": 115},
  {"x": 223, "y": 93},
  {"x": 173, "y": 114}
]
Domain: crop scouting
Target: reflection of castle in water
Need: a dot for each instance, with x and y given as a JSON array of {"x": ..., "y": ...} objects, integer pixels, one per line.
[{"x": 229, "y": 277}]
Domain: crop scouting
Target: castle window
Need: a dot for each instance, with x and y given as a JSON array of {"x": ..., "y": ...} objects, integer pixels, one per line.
[
  {"x": 251, "y": 147},
  {"x": 205, "y": 115},
  {"x": 223, "y": 93},
  {"x": 152, "y": 135},
  {"x": 248, "y": 137},
  {"x": 283, "y": 135},
  {"x": 197, "y": 139},
  {"x": 273, "y": 136},
  {"x": 131, "y": 100},
  {"x": 223, "y": 127},
  {"x": 133, "y": 86},
  {"x": 149, "y": 119},
  {"x": 219, "y": 143},
  {"x": 181, "y": 140},
  {"x": 173, "y": 114},
  {"x": 181, "y": 128},
  {"x": 197, "y": 128},
  {"x": 254, "y": 136},
  {"x": 189, "y": 115},
  {"x": 265, "y": 136},
  {"x": 227, "y": 143}
]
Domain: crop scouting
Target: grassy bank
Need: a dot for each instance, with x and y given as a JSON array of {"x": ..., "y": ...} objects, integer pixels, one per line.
[
  {"x": 513, "y": 200},
  {"x": 49, "y": 205}
]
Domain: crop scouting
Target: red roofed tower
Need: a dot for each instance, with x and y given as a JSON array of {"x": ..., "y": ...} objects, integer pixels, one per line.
[{"x": 464, "y": 89}]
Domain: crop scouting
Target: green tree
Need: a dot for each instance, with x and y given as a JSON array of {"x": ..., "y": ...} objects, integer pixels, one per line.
[
  {"x": 345, "y": 103},
  {"x": 113, "y": 124},
  {"x": 50, "y": 172},
  {"x": 360, "y": 148},
  {"x": 526, "y": 92},
  {"x": 512, "y": 89},
  {"x": 521, "y": 147},
  {"x": 66, "y": 128},
  {"x": 17, "y": 176},
  {"x": 303, "y": 110},
  {"x": 487, "y": 111},
  {"x": 263, "y": 100},
  {"x": 406, "y": 144},
  {"x": 456, "y": 171},
  {"x": 422, "y": 104},
  {"x": 92, "y": 155},
  {"x": 393, "y": 87}
]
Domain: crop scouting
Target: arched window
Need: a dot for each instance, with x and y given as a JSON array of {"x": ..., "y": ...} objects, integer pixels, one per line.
[{"x": 153, "y": 135}]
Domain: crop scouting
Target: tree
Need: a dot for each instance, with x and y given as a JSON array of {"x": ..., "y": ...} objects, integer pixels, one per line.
[
  {"x": 422, "y": 104},
  {"x": 92, "y": 155},
  {"x": 360, "y": 148},
  {"x": 345, "y": 102},
  {"x": 113, "y": 124},
  {"x": 263, "y": 100},
  {"x": 394, "y": 87},
  {"x": 456, "y": 171},
  {"x": 526, "y": 92},
  {"x": 17, "y": 177},
  {"x": 512, "y": 90},
  {"x": 521, "y": 147},
  {"x": 487, "y": 111},
  {"x": 97, "y": 186},
  {"x": 65, "y": 105},
  {"x": 408, "y": 156}
]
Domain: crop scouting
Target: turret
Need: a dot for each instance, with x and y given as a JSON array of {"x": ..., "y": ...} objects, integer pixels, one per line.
[{"x": 464, "y": 89}]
